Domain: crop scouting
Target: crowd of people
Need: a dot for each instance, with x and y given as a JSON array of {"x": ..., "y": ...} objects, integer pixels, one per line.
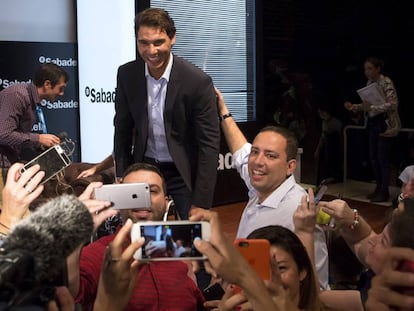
[{"x": 170, "y": 114}]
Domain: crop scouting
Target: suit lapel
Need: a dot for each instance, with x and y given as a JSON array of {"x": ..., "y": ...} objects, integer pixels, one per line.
[{"x": 173, "y": 88}]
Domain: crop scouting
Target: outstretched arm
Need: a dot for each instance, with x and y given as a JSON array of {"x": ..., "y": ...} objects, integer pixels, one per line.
[
  {"x": 352, "y": 227},
  {"x": 106, "y": 163},
  {"x": 234, "y": 137}
]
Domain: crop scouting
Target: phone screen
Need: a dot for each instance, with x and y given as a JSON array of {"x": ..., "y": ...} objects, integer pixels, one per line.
[
  {"x": 51, "y": 161},
  {"x": 168, "y": 241}
]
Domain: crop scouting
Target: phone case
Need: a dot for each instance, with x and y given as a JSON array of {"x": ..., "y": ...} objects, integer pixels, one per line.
[
  {"x": 257, "y": 254},
  {"x": 125, "y": 196},
  {"x": 52, "y": 161},
  {"x": 320, "y": 191},
  {"x": 213, "y": 292}
]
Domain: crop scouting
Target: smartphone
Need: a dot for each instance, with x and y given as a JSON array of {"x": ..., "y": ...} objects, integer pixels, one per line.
[
  {"x": 52, "y": 161},
  {"x": 257, "y": 254},
  {"x": 213, "y": 292},
  {"x": 319, "y": 192},
  {"x": 125, "y": 196},
  {"x": 170, "y": 240}
]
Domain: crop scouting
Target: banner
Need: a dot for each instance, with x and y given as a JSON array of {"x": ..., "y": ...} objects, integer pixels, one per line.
[
  {"x": 106, "y": 40},
  {"x": 18, "y": 63}
]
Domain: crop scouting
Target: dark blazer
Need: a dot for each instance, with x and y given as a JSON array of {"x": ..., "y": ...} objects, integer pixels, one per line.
[{"x": 190, "y": 118}]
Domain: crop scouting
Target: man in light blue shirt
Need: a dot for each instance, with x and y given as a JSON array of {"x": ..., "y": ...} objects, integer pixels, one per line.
[{"x": 267, "y": 167}]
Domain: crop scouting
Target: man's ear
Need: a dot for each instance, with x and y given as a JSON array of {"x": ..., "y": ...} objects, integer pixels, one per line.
[
  {"x": 173, "y": 40},
  {"x": 291, "y": 167},
  {"x": 47, "y": 84}
]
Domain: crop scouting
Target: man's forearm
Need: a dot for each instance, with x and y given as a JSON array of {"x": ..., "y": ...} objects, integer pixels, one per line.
[{"x": 234, "y": 136}]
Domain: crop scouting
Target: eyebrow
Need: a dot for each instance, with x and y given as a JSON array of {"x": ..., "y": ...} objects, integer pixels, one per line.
[
  {"x": 151, "y": 41},
  {"x": 155, "y": 186},
  {"x": 264, "y": 150}
]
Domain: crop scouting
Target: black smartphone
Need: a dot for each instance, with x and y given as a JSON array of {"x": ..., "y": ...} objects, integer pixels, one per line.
[
  {"x": 319, "y": 192},
  {"x": 213, "y": 292}
]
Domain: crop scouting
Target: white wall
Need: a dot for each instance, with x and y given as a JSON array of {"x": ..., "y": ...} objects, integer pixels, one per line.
[
  {"x": 105, "y": 41},
  {"x": 37, "y": 20}
]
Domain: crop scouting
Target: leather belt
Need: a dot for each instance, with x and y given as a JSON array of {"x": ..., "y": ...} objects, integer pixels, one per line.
[{"x": 161, "y": 165}]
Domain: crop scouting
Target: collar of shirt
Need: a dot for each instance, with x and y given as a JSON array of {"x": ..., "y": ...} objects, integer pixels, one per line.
[
  {"x": 34, "y": 94},
  {"x": 280, "y": 194}
]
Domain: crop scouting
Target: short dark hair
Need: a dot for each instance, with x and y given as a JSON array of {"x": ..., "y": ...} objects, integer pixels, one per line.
[
  {"x": 291, "y": 140},
  {"x": 156, "y": 18},
  {"x": 51, "y": 72},
  {"x": 141, "y": 166},
  {"x": 376, "y": 61}
]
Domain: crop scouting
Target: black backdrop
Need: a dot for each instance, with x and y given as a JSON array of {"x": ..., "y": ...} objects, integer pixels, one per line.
[{"x": 19, "y": 61}]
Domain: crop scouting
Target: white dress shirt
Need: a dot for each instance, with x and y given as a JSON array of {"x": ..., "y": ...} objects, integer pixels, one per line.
[{"x": 277, "y": 209}]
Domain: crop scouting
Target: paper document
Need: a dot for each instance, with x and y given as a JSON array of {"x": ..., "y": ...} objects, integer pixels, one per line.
[{"x": 372, "y": 94}]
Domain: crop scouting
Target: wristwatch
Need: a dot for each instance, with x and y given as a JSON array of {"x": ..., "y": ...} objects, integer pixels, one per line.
[{"x": 225, "y": 116}]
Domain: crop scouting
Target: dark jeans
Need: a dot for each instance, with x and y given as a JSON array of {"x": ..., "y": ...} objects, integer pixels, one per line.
[
  {"x": 181, "y": 195},
  {"x": 379, "y": 153},
  {"x": 176, "y": 187}
]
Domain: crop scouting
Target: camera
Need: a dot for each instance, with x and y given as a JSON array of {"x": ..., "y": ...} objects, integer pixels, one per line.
[{"x": 18, "y": 286}]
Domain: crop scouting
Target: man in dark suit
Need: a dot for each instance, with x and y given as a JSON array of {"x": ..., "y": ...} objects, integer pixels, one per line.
[{"x": 166, "y": 114}]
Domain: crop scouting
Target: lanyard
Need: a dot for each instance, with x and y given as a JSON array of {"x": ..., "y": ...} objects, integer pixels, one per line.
[{"x": 41, "y": 119}]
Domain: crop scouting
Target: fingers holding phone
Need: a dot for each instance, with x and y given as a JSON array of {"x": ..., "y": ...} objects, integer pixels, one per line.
[
  {"x": 119, "y": 272},
  {"x": 99, "y": 209},
  {"x": 20, "y": 190},
  {"x": 304, "y": 217},
  {"x": 393, "y": 287},
  {"x": 29, "y": 180},
  {"x": 52, "y": 162}
]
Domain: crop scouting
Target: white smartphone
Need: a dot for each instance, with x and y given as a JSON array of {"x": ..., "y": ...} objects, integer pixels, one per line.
[
  {"x": 52, "y": 161},
  {"x": 170, "y": 240},
  {"x": 125, "y": 196}
]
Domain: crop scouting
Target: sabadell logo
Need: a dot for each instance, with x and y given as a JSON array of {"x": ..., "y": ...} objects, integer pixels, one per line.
[
  {"x": 70, "y": 62},
  {"x": 5, "y": 83},
  {"x": 60, "y": 104},
  {"x": 224, "y": 161}
]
